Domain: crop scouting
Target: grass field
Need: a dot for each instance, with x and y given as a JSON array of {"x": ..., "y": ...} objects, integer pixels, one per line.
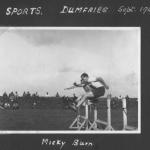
[{"x": 56, "y": 118}]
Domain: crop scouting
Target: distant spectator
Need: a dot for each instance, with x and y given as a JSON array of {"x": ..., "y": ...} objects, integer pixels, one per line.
[
  {"x": 37, "y": 94},
  {"x": 34, "y": 105},
  {"x": 47, "y": 95},
  {"x": 5, "y": 97},
  {"x": 24, "y": 94},
  {"x": 35, "y": 98},
  {"x": 127, "y": 98},
  {"x": 120, "y": 97},
  {"x": 127, "y": 101},
  {"x": 16, "y": 96},
  {"x": 57, "y": 94},
  {"x": 11, "y": 96},
  {"x": 28, "y": 94}
]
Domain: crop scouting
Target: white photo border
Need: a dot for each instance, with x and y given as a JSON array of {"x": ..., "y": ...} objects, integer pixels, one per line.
[{"x": 138, "y": 131}]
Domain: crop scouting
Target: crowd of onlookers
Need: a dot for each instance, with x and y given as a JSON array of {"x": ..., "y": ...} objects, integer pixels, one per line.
[
  {"x": 13, "y": 96},
  {"x": 11, "y": 100}
]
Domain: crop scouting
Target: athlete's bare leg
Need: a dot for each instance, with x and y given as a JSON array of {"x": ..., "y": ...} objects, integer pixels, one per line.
[{"x": 84, "y": 98}]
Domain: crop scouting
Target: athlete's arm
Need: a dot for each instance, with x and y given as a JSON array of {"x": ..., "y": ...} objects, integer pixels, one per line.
[
  {"x": 72, "y": 87},
  {"x": 102, "y": 82},
  {"x": 78, "y": 85},
  {"x": 75, "y": 85}
]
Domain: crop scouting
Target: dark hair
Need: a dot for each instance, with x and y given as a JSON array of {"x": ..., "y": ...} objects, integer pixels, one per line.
[{"x": 84, "y": 75}]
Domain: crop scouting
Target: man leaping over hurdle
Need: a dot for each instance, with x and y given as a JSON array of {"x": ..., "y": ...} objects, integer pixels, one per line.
[{"x": 90, "y": 90}]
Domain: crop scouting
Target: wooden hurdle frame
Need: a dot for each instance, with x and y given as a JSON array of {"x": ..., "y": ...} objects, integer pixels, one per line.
[
  {"x": 81, "y": 122},
  {"x": 97, "y": 121},
  {"x": 86, "y": 123},
  {"x": 124, "y": 113}
]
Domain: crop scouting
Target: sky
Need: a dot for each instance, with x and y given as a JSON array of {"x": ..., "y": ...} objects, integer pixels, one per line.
[{"x": 49, "y": 60}]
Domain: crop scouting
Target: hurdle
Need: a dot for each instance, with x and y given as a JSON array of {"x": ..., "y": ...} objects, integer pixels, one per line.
[
  {"x": 124, "y": 113},
  {"x": 97, "y": 121},
  {"x": 82, "y": 121}
]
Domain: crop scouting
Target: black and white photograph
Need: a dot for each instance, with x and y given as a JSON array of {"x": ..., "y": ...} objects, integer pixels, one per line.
[{"x": 72, "y": 80}]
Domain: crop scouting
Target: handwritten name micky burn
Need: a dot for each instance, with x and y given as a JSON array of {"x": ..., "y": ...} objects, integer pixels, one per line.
[{"x": 58, "y": 143}]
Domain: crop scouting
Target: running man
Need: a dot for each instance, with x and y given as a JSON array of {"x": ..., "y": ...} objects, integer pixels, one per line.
[{"x": 91, "y": 91}]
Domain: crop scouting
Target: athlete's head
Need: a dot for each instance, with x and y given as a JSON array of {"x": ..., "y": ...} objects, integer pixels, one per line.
[{"x": 84, "y": 77}]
